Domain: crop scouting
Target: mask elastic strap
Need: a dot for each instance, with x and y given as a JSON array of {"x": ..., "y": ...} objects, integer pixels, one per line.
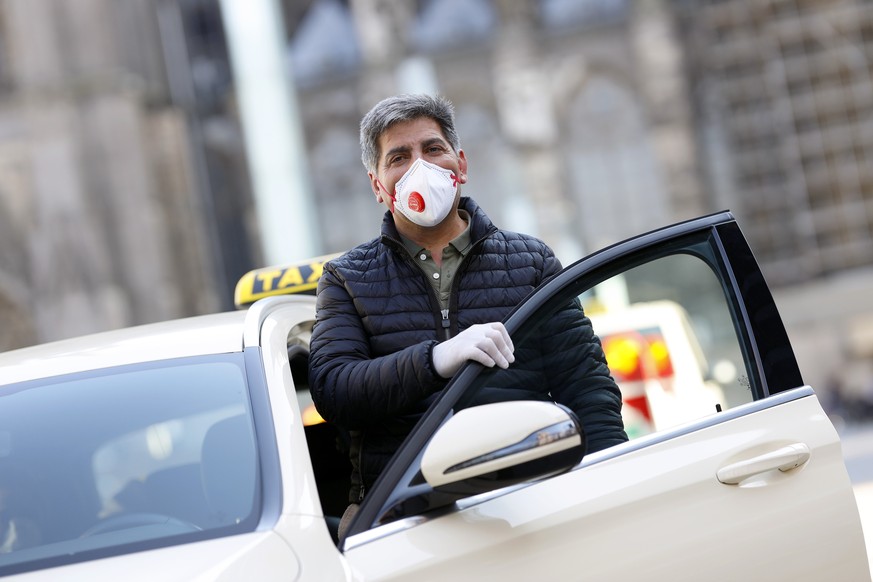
[{"x": 391, "y": 196}]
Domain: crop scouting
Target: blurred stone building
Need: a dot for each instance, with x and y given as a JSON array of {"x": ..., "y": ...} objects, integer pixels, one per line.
[
  {"x": 112, "y": 140},
  {"x": 786, "y": 87},
  {"x": 124, "y": 195}
]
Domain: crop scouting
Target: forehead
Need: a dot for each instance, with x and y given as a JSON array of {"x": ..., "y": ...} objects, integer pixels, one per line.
[{"x": 409, "y": 133}]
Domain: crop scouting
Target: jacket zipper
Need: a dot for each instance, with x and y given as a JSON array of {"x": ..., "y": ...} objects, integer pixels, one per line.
[
  {"x": 447, "y": 324},
  {"x": 456, "y": 284},
  {"x": 445, "y": 314}
]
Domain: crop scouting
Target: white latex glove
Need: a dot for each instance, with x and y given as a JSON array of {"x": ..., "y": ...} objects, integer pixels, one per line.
[{"x": 486, "y": 343}]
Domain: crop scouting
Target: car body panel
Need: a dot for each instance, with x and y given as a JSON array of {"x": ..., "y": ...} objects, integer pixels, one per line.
[
  {"x": 206, "y": 334},
  {"x": 614, "y": 516}
]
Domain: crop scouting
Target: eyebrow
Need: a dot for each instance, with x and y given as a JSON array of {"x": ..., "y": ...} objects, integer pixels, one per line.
[
  {"x": 402, "y": 149},
  {"x": 435, "y": 140}
]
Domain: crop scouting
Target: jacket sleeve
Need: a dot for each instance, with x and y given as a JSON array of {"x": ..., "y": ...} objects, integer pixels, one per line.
[
  {"x": 349, "y": 386},
  {"x": 551, "y": 264},
  {"x": 575, "y": 367},
  {"x": 579, "y": 378}
]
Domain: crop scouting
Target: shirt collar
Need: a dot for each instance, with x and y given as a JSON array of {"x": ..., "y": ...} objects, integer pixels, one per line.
[{"x": 462, "y": 242}]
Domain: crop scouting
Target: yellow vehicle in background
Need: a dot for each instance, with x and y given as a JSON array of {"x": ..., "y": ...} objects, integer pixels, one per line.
[{"x": 656, "y": 359}]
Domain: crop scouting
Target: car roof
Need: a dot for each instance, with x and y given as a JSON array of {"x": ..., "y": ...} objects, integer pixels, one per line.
[{"x": 193, "y": 336}]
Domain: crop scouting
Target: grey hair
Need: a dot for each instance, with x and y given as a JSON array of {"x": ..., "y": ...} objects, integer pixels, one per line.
[{"x": 404, "y": 108}]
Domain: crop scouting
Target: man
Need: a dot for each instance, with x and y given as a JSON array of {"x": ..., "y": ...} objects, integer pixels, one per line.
[{"x": 397, "y": 316}]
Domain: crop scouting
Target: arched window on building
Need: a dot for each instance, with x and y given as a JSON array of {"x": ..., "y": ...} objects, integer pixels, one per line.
[
  {"x": 445, "y": 24},
  {"x": 346, "y": 207},
  {"x": 325, "y": 43},
  {"x": 564, "y": 14},
  {"x": 612, "y": 170},
  {"x": 496, "y": 176}
]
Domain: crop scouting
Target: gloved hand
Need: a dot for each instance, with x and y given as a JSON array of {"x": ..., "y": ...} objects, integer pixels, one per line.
[{"x": 486, "y": 343}]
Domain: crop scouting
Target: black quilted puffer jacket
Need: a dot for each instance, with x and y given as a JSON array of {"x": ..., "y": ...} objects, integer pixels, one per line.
[{"x": 378, "y": 320}]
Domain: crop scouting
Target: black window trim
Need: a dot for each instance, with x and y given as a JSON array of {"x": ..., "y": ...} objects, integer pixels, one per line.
[{"x": 767, "y": 336}]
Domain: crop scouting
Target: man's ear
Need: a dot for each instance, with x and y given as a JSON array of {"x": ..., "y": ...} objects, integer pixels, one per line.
[
  {"x": 462, "y": 166},
  {"x": 374, "y": 184}
]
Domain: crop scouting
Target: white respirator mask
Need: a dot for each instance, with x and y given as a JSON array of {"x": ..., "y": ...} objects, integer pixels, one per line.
[{"x": 425, "y": 193}]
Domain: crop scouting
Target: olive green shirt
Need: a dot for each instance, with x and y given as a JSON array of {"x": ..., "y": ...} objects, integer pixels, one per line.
[{"x": 441, "y": 276}]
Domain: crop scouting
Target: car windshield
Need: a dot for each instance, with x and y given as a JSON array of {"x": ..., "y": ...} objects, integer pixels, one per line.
[{"x": 125, "y": 459}]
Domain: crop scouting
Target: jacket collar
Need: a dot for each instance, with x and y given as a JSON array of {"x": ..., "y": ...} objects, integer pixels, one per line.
[{"x": 481, "y": 226}]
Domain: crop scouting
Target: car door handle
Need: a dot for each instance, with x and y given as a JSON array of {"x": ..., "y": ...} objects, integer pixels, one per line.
[{"x": 784, "y": 459}]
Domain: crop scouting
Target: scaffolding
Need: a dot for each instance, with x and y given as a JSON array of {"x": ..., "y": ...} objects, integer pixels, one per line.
[{"x": 792, "y": 79}]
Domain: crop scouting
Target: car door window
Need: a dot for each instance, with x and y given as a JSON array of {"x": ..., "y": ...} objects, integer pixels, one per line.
[{"x": 670, "y": 342}]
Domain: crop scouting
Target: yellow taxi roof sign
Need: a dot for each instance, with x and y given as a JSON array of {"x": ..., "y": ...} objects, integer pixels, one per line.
[{"x": 290, "y": 279}]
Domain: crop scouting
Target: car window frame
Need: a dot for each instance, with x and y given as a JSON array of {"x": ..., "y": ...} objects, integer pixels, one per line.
[
  {"x": 761, "y": 335},
  {"x": 269, "y": 477}
]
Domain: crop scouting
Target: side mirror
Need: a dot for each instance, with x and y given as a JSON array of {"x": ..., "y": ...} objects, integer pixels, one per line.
[{"x": 487, "y": 447}]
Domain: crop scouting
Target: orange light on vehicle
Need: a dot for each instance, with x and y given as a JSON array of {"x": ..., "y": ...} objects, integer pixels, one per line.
[
  {"x": 311, "y": 416},
  {"x": 661, "y": 356},
  {"x": 624, "y": 355}
]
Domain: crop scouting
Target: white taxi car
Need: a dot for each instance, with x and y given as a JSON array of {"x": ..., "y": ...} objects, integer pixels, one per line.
[{"x": 185, "y": 451}]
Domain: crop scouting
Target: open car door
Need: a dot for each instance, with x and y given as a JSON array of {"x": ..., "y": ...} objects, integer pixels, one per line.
[{"x": 733, "y": 471}]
